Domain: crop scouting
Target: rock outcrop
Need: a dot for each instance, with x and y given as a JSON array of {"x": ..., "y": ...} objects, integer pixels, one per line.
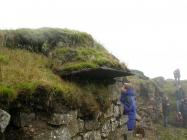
[
  {"x": 4, "y": 120},
  {"x": 68, "y": 125}
]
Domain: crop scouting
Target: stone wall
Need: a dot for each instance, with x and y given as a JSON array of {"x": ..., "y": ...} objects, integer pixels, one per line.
[
  {"x": 65, "y": 124},
  {"x": 69, "y": 126},
  {"x": 61, "y": 123},
  {"x": 110, "y": 125}
]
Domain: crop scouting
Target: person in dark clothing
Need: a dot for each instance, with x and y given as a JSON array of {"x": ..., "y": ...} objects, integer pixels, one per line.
[
  {"x": 129, "y": 103},
  {"x": 184, "y": 111},
  {"x": 165, "y": 110},
  {"x": 179, "y": 97},
  {"x": 177, "y": 76}
]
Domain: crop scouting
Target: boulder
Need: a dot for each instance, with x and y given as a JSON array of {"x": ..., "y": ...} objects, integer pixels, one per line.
[
  {"x": 123, "y": 120},
  {"x": 62, "y": 119},
  {"x": 69, "y": 120},
  {"x": 118, "y": 134},
  {"x": 116, "y": 111},
  {"x": 26, "y": 119},
  {"x": 77, "y": 138},
  {"x": 106, "y": 128},
  {"x": 114, "y": 124},
  {"x": 91, "y": 125},
  {"x": 59, "y": 119},
  {"x": 110, "y": 112},
  {"x": 92, "y": 135},
  {"x": 80, "y": 125},
  {"x": 54, "y": 134},
  {"x": 4, "y": 120}
]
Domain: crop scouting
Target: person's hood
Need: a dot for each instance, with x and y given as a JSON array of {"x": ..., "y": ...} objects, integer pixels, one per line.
[{"x": 130, "y": 92}]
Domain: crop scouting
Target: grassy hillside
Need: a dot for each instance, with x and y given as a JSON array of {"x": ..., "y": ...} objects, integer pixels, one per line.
[
  {"x": 26, "y": 70},
  {"x": 28, "y": 59}
]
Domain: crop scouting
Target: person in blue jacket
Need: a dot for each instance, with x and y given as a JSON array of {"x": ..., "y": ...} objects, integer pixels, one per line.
[{"x": 129, "y": 103}]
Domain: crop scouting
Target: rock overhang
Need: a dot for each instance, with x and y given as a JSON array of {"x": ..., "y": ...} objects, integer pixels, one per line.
[{"x": 101, "y": 73}]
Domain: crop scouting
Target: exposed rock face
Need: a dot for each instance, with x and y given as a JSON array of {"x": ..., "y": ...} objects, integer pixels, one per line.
[
  {"x": 61, "y": 123},
  {"x": 4, "y": 120},
  {"x": 110, "y": 124},
  {"x": 65, "y": 124},
  {"x": 54, "y": 134},
  {"x": 72, "y": 127},
  {"x": 68, "y": 126},
  {"x": 37, "y": 121}
]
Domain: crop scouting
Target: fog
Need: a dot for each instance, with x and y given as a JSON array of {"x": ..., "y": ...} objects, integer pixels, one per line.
[{"x": 147, "y": 35}]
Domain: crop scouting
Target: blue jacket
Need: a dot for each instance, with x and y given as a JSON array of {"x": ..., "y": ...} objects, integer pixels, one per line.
[
  {"x": 129, "y": 104},
  {"x": 128, "y": 101}
]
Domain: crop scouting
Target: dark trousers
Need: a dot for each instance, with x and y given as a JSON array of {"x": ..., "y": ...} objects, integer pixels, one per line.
[{"x": 165, "y": 120}]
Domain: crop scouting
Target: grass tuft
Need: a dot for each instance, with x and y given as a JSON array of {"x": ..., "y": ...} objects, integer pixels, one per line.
[
  {"x": 70, "y": 59},
  {"x": 7, "y": 92}
]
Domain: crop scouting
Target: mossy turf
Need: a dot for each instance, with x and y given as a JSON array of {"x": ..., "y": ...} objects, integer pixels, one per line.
[
  {"x": 44, "y": 39},
  {"x": 71, "y": 59},
  {"x": 68, "y": 49},
  {"x": 27, "y": 72}
]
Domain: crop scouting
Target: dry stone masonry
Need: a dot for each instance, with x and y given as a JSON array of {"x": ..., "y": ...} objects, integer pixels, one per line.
[{"x": 68, "y": 126}]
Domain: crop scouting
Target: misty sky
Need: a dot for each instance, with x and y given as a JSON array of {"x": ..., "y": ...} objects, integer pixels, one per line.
[{"x": 148, "y": 35}]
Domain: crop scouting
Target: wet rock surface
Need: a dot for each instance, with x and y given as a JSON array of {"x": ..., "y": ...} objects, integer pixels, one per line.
[{"x": 4, "y": 120}]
